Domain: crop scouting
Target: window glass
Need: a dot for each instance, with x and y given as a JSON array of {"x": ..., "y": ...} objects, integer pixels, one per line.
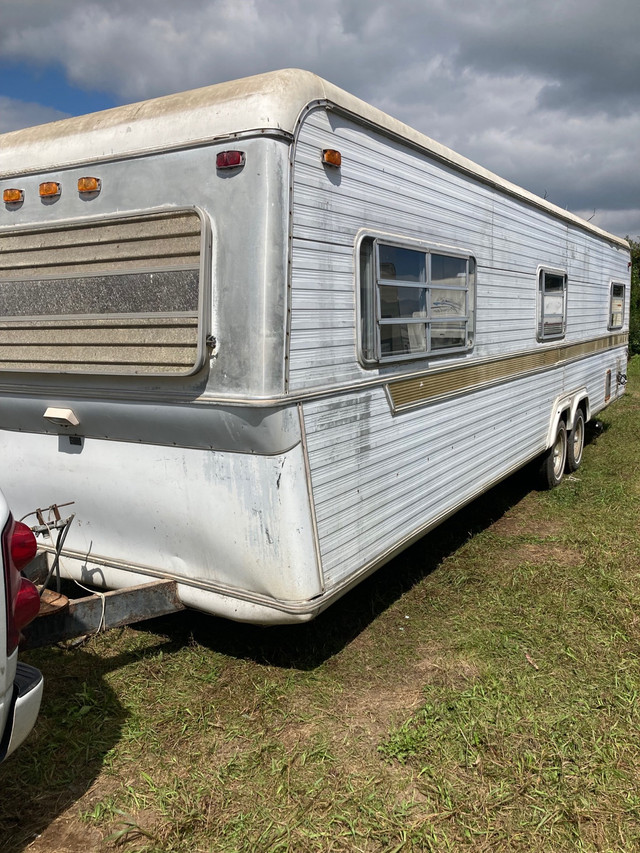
[
  {"x": 403, "y": 339},
  {"x": 448, "y": 270},
  {"x": 413, "y": 301},
  {"x": 449, "y": 336},
  {"x": 402, "y": 302},
  {"x": 616, "y": 308},
  {"x": 552, "y": 306},
  {"x": 448, "y": 303},
  {"x": 401, "y": 264}
]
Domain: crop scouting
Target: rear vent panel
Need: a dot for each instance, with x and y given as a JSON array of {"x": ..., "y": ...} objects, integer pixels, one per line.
[{"x": 120, "y": 296}]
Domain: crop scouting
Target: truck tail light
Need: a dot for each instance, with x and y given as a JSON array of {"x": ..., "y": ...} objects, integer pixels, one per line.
[
  {"x": 23, "y": 545},
  {"x": 21, "y": 597}
]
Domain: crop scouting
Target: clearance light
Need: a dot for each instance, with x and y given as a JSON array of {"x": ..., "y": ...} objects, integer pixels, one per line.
[
  {"x": 230, "y": 159},
  {"x": 49, "y": 189},
  {"x": 331, "y": 157},
  {"x": 12, "y": 196},
  {"x": 89, "y": 185}
]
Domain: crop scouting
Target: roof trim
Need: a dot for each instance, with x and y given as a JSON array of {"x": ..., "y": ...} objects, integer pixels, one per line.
[{"x": 266, "y": 104}]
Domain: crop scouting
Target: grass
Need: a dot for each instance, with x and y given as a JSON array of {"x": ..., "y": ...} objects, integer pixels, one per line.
[{"x": 479, "y": 693}]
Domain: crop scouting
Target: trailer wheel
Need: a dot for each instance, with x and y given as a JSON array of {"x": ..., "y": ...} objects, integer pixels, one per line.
[
  {"x": 554, "y": 459},
  {"x": 575, "y": 443}
]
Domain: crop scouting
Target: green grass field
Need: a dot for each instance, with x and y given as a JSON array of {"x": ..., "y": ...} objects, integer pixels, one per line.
[{"x": 480, "y": 693}]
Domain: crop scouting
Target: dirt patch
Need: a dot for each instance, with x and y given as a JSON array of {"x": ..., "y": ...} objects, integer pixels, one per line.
[
  {"x": 519, "y": 524},
  {"x": 529, "y": 552},
  {"x": 370, "y": 710},
  {"x": 66, "y": 835}
]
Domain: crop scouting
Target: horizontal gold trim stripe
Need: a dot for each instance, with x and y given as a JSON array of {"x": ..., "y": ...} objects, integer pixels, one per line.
[{"x": 426, "y": 387}]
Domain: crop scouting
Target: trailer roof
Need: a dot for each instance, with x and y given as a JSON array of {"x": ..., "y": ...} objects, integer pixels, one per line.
[{"x": 266, "y": 102}]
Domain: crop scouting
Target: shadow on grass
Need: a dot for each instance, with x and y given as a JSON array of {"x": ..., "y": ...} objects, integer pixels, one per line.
[
  {"x": 308, "y": 645},
  {"x": 58, "y": 762}
]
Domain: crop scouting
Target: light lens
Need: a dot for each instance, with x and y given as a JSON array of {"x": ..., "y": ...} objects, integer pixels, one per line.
[
  {"x": 18, "y": 549},
  {"x": 89, "y": 185},
  {"x": 23, "y": 545},
  {"x": 230, "y": 159},
  {"x": 332, "y": 157},
  {"x": 12, "y": 196},
  {"x": 49, "y": 189},
  {"x": 27, "y": 604}
]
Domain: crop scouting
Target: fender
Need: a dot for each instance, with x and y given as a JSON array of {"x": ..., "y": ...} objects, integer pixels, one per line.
[{"x": 568, "y": 402}]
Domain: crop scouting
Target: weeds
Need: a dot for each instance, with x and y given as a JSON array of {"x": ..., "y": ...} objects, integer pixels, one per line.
[{"x": 480, "y": 693}]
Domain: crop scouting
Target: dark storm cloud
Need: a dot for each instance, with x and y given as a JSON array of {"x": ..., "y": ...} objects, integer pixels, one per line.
[
  {"x": 586, "y": 51},
  {"x": 545, "y": 93}
]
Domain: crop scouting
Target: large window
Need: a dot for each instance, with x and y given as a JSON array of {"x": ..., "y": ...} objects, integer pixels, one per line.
[
  {"x": 414, "y": 302},
  {"x": 616, "y": 306},
  {"x": 552, "y": 304}
]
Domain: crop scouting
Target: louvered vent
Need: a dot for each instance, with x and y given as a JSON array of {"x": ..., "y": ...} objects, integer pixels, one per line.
[{"x": 119, "y": 296}]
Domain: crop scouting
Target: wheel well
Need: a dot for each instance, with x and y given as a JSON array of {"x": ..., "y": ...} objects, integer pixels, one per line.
[
  {"x": 583, "y": 405},
  {"x": 564, "y": 409}
]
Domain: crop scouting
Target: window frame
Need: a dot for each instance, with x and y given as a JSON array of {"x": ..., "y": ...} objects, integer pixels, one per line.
[
  {"x": 369, "y": 293},
  {"x": 610, "y": 324},
  {"x": 542, "y": 273}
]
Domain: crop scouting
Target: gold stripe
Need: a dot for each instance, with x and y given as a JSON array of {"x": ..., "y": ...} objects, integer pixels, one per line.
[{"x": 429, "y": 386}]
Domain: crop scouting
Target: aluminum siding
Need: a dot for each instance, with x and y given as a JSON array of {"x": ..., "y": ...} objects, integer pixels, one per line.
[{"x": 379, "y": 478}]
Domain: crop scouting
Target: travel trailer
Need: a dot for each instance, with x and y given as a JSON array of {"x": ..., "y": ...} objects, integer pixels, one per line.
[{"x": 264, "y": 336}]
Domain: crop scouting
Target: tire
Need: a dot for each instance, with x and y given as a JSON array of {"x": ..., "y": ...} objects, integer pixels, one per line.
[
  {"x": 554, "y": 460},
  {"x": 575, "y": 442}
]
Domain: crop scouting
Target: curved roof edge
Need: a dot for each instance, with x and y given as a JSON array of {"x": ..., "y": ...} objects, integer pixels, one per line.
[{"x": 265, "y": 102}]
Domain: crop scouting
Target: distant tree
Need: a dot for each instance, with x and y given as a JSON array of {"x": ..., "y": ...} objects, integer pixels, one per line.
[{"x": 634, "y": 317}]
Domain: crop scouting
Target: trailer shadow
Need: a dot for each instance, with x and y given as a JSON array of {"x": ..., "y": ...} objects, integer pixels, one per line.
[{"x": 308, "y": 645}]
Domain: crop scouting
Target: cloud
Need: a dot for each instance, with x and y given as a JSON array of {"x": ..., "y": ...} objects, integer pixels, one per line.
[
  {"x": 16, "y": 114},
  {"x": 586, "y": 50},
  {"x": 543, "y": 93}
]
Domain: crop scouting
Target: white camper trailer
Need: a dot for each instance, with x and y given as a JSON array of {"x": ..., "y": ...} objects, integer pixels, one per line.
[{"x": 265, "y": 336}]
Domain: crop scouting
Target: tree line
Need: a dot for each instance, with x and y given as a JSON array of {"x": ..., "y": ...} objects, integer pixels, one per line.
[{"x": 634, "y": 316}]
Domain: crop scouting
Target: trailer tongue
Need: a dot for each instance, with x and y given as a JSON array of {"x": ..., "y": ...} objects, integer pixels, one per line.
[{"x": 62, "y": 618}]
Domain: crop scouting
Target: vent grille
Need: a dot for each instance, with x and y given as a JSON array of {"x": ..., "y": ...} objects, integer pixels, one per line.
[{"x": 120, "y": 296}]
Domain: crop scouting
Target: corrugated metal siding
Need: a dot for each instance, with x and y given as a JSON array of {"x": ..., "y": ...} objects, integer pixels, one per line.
[
  {"x": 378, "y": 478},
  {"x": 383, "y": 185},
  {"x": 117, "y": 296}
]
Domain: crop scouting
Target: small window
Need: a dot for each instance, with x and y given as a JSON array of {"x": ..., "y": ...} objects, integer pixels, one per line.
[
  {"x": 616, "y": 306},
  {"x": 552, "y": 305},
  {"x": 414, "y": 302}
]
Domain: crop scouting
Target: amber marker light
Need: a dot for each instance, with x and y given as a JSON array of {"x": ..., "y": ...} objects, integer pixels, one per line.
[
  {"x": 331, "y": 157},
  {"x": 49, "y": 189},
  {"x": 89, "y": 185},
  {"x": 12, "y": 196}
]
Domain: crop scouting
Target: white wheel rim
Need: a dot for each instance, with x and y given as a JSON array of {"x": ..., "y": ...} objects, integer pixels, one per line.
[
  {"x": 558, "y": 456},
  {"x": 578, "y": 440}
]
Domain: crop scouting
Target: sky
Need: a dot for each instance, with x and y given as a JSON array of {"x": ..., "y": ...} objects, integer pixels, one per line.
[{"x": 545, "y": 93}]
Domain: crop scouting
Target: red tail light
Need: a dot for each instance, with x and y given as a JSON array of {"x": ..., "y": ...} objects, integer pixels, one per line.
[
  {"x": 229, "y": 159},
  {"x": 27, "y": 604},
  {"x": 21, "y": 597},
  {"x": 23, "y": 545}
]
